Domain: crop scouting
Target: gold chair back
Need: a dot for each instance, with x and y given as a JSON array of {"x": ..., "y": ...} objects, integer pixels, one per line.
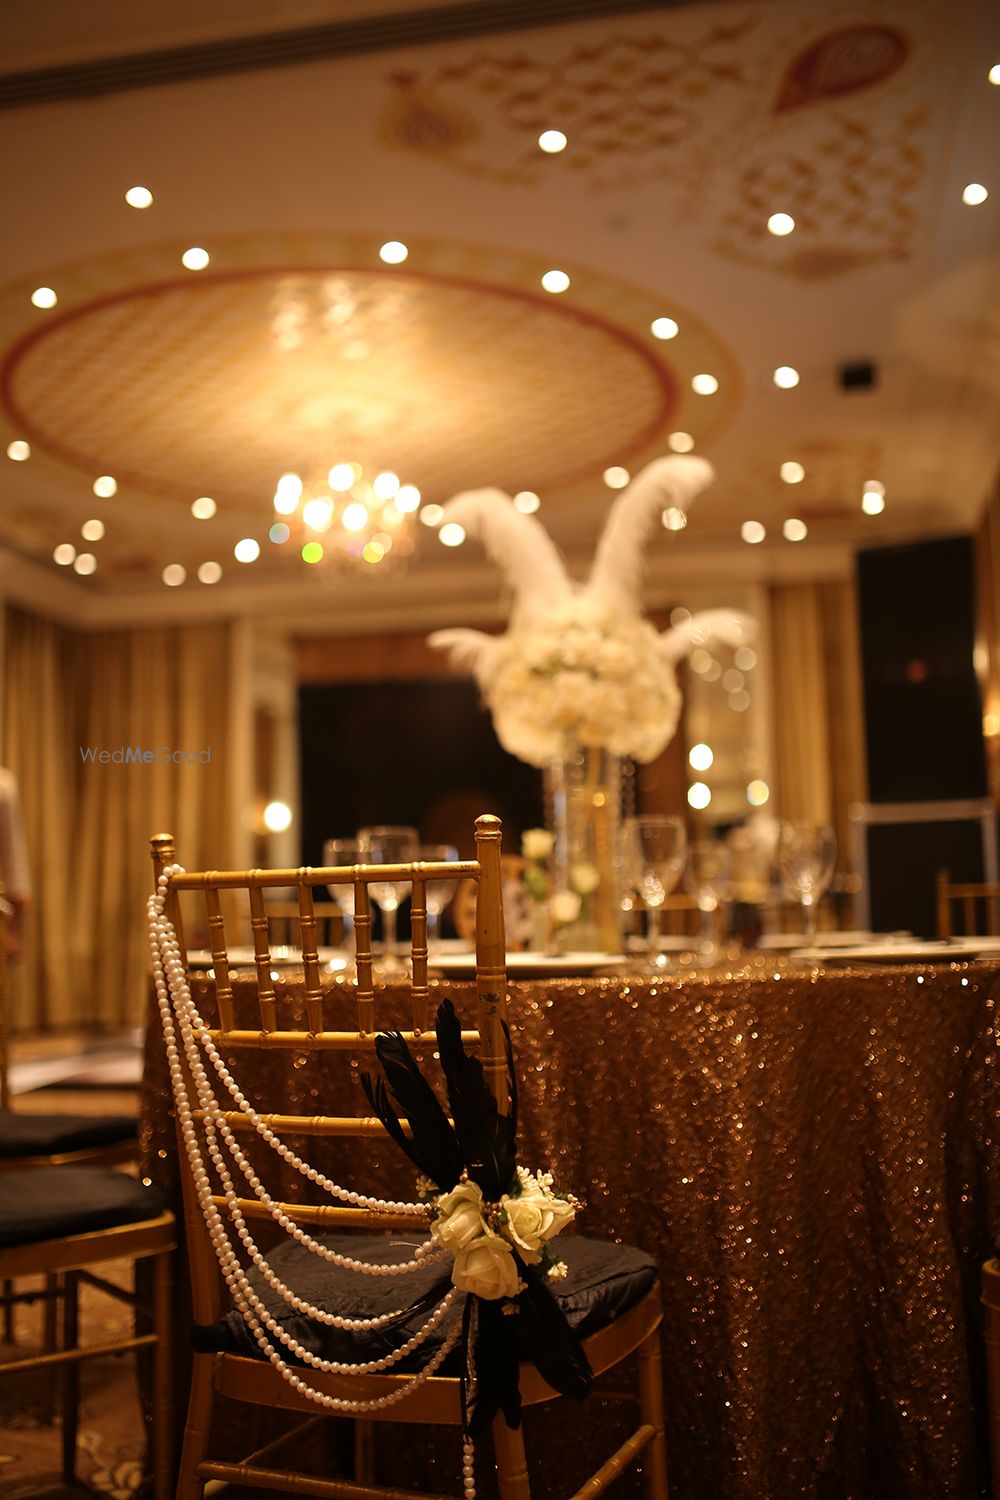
[{"x": 967, "y": 908}]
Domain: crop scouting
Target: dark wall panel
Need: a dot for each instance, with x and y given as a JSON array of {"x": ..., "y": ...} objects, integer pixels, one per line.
[
  {"x": 422, "y": 753},
  {"x": 923, "y": 715}
]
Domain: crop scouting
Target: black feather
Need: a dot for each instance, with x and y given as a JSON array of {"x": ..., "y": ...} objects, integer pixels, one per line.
[
  {"x": 497, "y": 1374},
  {"x": 379, "y": 1101},
  {"x": 549, "y": 1341},
  {"x": 487, "y": 1139},
  {"x": 432, "y": 1144}
]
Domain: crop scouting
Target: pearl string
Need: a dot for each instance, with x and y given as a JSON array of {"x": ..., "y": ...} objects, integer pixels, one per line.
[{"x": 171, "y": 986}]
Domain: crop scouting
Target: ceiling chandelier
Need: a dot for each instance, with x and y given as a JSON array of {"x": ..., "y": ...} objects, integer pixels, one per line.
[{"x": 344, "y": 517}]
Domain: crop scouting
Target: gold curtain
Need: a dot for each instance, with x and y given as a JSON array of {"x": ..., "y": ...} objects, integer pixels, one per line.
[
  {"x": 70, "y": 696},
  {"x": 818, "y": 729}
]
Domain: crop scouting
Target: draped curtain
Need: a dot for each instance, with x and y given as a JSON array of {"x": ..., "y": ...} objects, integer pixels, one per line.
[
  {"x": 69, "y": 694},
  {"x": 818, "y": 732}
]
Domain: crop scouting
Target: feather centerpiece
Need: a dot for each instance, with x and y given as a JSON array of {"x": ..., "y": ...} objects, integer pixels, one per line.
[
  {"x": 494, "y": 1217},
  {"x": 579, "y": 666}
]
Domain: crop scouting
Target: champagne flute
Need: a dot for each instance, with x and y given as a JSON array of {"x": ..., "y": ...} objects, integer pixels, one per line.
[
  {"x": 437, "y": 893},
  {"x": 706, "y": 877},
  {"x": 805, "y": 854},
  {"x": 343, "y": 852},
  {"x": 655, "y": 848},
  {"x": 388, "y": 844}
]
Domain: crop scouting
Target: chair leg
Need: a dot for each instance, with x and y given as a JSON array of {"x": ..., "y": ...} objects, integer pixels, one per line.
[
  {"x": 512, "y": 1466},
  {"x": 54, "y": 1292},
  {"x": 364, "y": 1452},
  {"x": 70, "y": 1377},
  {"x": 161, "y": 1435},
  {"x": 651, "y": 1407},
  {"x": 8, "y": 1312},
  {"x": 196, "y": 1430}
]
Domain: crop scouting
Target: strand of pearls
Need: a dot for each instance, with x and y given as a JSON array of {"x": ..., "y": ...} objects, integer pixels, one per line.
[{"x": 171, "y": 983}]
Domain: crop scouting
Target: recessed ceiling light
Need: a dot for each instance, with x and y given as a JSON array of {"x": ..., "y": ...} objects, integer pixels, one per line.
[
  {"x": 105, "y": 486},
  {"x": 664, "y": 328},
  {"x": 704, "y": 385},
  {"x": 794, "y": 530},
  {"x": 209, "y": 572},
  {"x": 204, "y": 508},
  {"x": 792, "y": 472},
  {"x": 19, "y": 450},
  {"x": 92, "y": 531},
  {"x": 555, "y": 281},
  {"x": 85, "y": 564},
  {"x": 699, "y": 795},
  {"x": 407, "y": 498},
  {"x": 44, "y": 296},
  {"x": 994, "y": 74},
  {"x": 393, "y": 252},
  {"x": 786, "y": 376},
  {"x": 432, "y": 515},
  {"x": 552, "y": 141},
  {"x": 246, "y": 550},
  {"x": 974, "y": 193},
  {"x": 451, "y": 534},
  {"x": 138, "y": 197},
  {"x": 701, "y": 757},
  {"x": 527, "y": 502},
  {"x": 873, "y": 502},
  {"x": 616, "y": 478},
  {"x": 753, "y": 532},
  {"x": 174, "y": 575},
  {"x": 64, "y": 554},
  {"x": 195, "y": 259},
  {"x": 355, "y": 517},
  {"x": 673, "y": 518},
  {"x": 680, "y": 442},
  {"x": 781, "y": 224}
]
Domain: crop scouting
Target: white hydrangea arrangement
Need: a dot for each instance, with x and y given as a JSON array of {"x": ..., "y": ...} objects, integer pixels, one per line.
[{"x": 579, "y": 666}]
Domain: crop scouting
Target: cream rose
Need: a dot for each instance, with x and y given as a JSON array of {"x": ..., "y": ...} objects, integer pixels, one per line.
[
  {"x": 536, "y": 843},
  {"x": 460, "y": 1217},
  {"x": 533, "y": 1217},
  {"x": 564, "y": 907},
  {"x": 584, "y": 878},
  {"x": 486, "y": 1267}
]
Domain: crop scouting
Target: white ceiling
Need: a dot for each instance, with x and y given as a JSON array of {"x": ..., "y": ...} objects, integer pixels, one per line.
[{"x": 688, "y": 126}]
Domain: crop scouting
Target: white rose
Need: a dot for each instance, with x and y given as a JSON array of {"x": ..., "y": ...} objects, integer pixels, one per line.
[
  {"x": 460, "y": 1217},
  {"x": 533, "y": 1217},
  {"x": 486, "y": 1267},
  {"x": 584, "y": 878},
  {"x": 564, "y": 907},
  {"x": 536, "y": 843}
]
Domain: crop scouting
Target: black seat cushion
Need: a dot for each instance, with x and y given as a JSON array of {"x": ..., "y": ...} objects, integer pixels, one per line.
[
  {"x": 50, "y": 1135},
  {"x": 45, "y": 1203},
  {"x": 603, "y": 1281}
]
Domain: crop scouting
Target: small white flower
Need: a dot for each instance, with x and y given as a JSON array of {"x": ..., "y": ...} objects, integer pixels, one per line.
[
  {"x": 564, "y": 907},
  {"x": 557, "y": 1271},
  {"x": 537, "y": 843},
  {"x": 584, "y": 878}
]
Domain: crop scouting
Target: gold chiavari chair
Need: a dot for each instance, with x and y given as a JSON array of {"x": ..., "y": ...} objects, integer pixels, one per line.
[
  {"x": 59, "y": 1222},
  {"x": 972, "y": 906},
  {"x": 622, "y": 1298}
]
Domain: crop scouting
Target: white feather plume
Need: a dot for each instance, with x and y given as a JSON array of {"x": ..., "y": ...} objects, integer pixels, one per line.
[
  {"x": 730, "y": 626},
  {"x": 519, "y": 544},
  {"x": 616, "y": 576},
  {"x": 470, "y": 651}
]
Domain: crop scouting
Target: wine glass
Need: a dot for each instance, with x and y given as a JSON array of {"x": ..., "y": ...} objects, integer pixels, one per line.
[
  {"x": 805, "y": 854},
  {"x": 437, "y": 893},
  {"x": 654, "y": 848},
  {"x": 343, "y": 852},
  {"x": 706, "y": 877},
  {"x": 388, "y": 844}
]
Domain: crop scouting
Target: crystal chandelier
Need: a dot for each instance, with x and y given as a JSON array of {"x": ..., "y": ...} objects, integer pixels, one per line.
[{"x": 344, "y": 517}]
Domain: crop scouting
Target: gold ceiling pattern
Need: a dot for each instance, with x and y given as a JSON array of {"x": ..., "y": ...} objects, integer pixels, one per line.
[{"x": 218, "y": 385}]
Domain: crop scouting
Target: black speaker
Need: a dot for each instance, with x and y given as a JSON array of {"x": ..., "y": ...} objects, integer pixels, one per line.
[{"x": 923, "y": 715}]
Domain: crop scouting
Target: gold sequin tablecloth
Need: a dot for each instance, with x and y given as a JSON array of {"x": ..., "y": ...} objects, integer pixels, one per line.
[{"x": 808, "y": 1156}]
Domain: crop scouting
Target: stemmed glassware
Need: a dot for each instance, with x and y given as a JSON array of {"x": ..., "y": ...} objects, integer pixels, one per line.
[
  {"x": 706, "y": 877},
  {"x": 437, "y": 893},
  {"x": 805, "y": 854},
  {"x": 654, "y": 849},
  {"x": 388, "y": 844},
  {"x": 343, "y": 852}
]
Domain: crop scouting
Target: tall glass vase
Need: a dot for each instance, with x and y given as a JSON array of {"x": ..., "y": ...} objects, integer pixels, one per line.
[{"x": 583, "y": 798}]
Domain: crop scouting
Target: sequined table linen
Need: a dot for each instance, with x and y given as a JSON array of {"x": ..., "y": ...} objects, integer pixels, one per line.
[{"x": 807, "y": 1156}]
